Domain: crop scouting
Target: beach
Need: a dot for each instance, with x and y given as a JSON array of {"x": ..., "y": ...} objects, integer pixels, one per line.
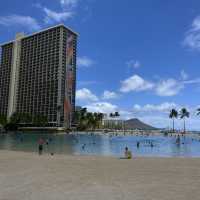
[{"x": 27, "y": 176}]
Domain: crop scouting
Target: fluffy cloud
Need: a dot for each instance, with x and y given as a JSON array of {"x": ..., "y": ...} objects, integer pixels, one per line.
[
  {"x": 133, "y": 64},
  {"x": 84, "y": 62},
  {"x": 69, "y": 3},
  {"x": 109, "y": 95},
  {"x": 192, "y": 38},
  {"x": 18, "y": 20},
  {"x": 103, "y": 107},
  {"x": 135, "y": 83},
  {"x": 85, "y": 95},
  {"x": 52, "y": 16},
  {"x": 164, "y": 107},
  {"x": 169, "y": 87},
  {"x": 166, "y": 87}
]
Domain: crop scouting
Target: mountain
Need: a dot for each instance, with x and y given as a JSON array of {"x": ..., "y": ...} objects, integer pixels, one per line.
[{"x": 137, "y": 124}]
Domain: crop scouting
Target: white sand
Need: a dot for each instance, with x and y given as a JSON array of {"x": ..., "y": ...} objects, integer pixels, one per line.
[{"x": 27, "y": 176}]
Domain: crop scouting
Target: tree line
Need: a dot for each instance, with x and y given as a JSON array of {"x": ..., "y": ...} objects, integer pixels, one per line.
[
  {"x": 20, "y": 119},
  {"x": 85, "y": 120},
  {"x": 183, "y": 114}
]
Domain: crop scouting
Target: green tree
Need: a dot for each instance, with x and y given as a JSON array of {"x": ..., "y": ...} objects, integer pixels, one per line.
[
  {"x": 25, "y": 118},
  {"x": 100, "y": 118},
  {"x": 90, "y": 120},
  {"x": 183, "y": 115},
  {"x": 173, "y": 115},
  {"x": 40, "y": 120},
  {"x": 15, "y": 118},
  {"x": 3, "y": 120},
  {"x": 87, "y": 120}
]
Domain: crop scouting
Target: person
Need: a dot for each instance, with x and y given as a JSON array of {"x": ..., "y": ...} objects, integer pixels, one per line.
[
  {"x": 83, "y": 146},
  {"x": 127, "y": 153},
  {"x": 138, "y": 145},
  {"x": 178, "y": 140},
  {"x": 40, "y": 146},
  {"x": 152, "y": 145}
]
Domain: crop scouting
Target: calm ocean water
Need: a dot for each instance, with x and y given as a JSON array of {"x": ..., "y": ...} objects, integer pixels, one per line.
[{"x": 90, "y": 144}]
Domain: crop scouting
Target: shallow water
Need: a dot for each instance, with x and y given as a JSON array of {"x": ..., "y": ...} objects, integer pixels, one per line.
[{"x": 90, "y": 144}]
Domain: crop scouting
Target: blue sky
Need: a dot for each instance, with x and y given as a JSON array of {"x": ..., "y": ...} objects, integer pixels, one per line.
[{"x": 138, "y": 57}]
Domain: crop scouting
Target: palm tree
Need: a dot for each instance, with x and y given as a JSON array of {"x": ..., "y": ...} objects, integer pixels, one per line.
[
  {"x": 183, "y": 114},
  {"x": 173, "y": 114},
  {"x": 100, "y": 118},
  {"x": 90, "y": 120},
  {"x": 198, "y": 111},
  {"x": 117, "y": 114}
]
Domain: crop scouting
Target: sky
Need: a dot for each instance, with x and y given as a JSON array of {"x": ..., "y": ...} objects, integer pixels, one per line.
[{"x": 138, "y": 57}]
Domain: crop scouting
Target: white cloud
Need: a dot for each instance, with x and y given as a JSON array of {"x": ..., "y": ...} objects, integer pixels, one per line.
[
  {"x": 192, "y": 38},
  {"x": 84, "y": 62},
  {"x": 103, "y": 107},
  {"x": 169, "y": 87},
  {"x": 109, "y": 95},
  {"x": 18, "y": 20},
  {"x": 192, "y": 81},
  {"x": 184, "y": 75},
  {"x": 164, "y": 107},
  {"x": 135, "y": 83},
  {"x": 52, "y": 16},
  {"x": 134, "y": 64},
  {"x": 69, "y": 3},
  {"x": 85, "y": 95},
  {"x": 86, "y": 83}
]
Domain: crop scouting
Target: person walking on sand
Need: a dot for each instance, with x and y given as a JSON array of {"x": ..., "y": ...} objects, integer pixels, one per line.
[{"x": 40, "y": 146}]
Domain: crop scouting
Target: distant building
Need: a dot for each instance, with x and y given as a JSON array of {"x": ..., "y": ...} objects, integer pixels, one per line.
[
  {"x": 112, "y": 122},
  {"x": 78, "y": 108},
  {"x": 38, "y": 75}
]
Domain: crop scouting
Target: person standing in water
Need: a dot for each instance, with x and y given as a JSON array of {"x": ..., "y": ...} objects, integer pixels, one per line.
[
  {"x": 127, "y": 153},
  {"x": 40, "y": 146},
  {"x": 178, "y": 140}
]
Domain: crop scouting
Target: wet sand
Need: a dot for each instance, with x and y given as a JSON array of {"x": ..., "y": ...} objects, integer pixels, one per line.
[{"x": 27, "y": 176}]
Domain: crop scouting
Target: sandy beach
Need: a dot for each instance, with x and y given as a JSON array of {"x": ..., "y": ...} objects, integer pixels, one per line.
[{"x": 27, "y": 176}]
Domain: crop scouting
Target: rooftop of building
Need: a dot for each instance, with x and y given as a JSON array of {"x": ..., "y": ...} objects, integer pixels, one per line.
[{"x": 43, "y": 30}]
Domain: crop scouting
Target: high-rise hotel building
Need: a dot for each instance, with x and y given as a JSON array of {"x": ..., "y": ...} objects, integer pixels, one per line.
[{"x": 38, "y": 75}]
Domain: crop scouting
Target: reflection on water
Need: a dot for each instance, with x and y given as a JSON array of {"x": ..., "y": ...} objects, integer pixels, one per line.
[{"x": 90, "y": 144}]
